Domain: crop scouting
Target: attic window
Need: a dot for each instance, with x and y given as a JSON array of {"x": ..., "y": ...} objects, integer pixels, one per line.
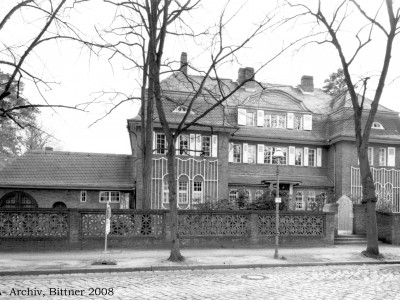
[
  {"x": 377, "y": 125},
  {"x": 182, "y": 110}
]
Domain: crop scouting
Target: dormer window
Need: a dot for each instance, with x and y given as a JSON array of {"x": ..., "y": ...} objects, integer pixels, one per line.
[
  {"x": 182, "y": 110},
  {"x": 377, "y": 125}
]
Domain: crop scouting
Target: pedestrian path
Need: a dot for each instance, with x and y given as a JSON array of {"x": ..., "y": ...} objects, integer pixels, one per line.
[{"x": 127, "y": 260}]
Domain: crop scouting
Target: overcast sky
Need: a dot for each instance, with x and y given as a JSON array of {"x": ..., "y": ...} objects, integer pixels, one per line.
[{"x": 81, "y": 75}]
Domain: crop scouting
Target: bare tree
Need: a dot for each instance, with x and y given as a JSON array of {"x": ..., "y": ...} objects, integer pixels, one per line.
[
  {"x": 384, "y": 22},
  {"x": 14, "y": 57},
  {"x": 150, "y": 35}
]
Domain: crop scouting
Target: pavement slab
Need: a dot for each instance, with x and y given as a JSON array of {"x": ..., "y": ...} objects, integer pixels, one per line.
[{"x": 81, "y": 261}]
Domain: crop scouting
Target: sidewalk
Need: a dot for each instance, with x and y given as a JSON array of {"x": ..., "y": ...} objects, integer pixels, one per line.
[{"x": 81, "y": 261}]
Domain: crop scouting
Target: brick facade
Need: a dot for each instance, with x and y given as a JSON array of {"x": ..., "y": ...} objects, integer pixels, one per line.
[{"x": 45, "y": 198}]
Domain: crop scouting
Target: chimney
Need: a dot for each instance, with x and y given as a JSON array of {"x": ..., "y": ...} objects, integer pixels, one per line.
[
  {"x": 240, "y": 76},
  {"x": 184, "y": 64},
  {"x": 307, "y": 84},
  {"x": 249, "y": 73},
  {"x": 48, "y": 148}
]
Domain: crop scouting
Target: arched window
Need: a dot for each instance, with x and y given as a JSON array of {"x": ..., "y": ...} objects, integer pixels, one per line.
[
  {"x": 232, "y": 195},
  {"x": 59, "y": 205},
  {"x": 198, "y": 190},
  {"x": 183, "y": 190},
  {"x": 18, "y": 200}
]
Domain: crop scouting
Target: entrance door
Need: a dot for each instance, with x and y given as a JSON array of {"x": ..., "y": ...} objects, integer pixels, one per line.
[{"x": 345, "y": 215}]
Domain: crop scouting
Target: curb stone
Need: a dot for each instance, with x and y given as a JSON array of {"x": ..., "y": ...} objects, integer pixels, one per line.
[{"x": 185, "y": 268}]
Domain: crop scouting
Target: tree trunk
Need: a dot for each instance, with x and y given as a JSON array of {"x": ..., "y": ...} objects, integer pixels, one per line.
[
  {"x": 175, "y": 251},
  {"x": 369, "y": 198},
  {"x": 372, "y": 230}
]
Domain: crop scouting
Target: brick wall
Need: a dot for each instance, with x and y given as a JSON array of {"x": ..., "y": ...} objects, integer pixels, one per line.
[
  {"x": 359, "y": 212},
  {"x": 388, "y": 224},
  {"x": 389, "y": 227},
  {"x": 45, "y": 198},
  {"x": 385, "y": 227}
]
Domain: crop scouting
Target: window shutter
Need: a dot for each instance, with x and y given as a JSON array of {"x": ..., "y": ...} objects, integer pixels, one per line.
[
  {"x": 391, "y": 160},
  {"x": 230, "y": 152},
  {"x": 260, "y": 118},
  {"x": 214, "y": 146},
  {"x": 372, "y": 155},
  {"x": 241, "y": 116},
  {"x": 319, "y": 157},
  {"x": 305, "y": 157},
  {"x": 307, "y": 122},
  {"x": 192, "y": 144},
  {"x": 260, "y": 154},
  {"x": 245, "y": 149},
  {"x": 292, "y": 155},
  {"x": 198, "y": 145},
  {"x": 177, "y": 152},
  {"x": 290, "y": 120}
]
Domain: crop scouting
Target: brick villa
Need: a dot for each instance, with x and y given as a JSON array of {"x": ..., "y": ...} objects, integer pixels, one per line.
[{"x": 231, "y": 147}]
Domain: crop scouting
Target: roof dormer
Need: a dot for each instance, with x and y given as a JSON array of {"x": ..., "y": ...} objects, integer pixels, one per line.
[{"x": 182, "y": 110}]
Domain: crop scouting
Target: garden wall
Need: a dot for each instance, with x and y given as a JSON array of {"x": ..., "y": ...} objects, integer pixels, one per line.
[{"x": 51, "y": 229}]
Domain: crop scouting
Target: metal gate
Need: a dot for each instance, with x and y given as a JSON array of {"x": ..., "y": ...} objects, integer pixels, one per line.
[{"x": 345, "y": 215}]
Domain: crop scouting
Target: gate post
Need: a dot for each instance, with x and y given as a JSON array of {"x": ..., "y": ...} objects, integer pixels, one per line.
[{"x": 333, "y": 207}]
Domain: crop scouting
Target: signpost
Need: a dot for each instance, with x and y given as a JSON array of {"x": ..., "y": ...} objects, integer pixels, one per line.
[{"x": 108, "y": 225}]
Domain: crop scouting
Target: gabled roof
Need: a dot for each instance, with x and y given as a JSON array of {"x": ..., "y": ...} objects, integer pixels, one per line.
[{"x": 69, "y": 170}]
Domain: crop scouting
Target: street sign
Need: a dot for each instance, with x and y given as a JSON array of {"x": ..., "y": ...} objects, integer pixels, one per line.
[
  {"x": 278, "y": 200},
  {"x": 108, "y": 226}
]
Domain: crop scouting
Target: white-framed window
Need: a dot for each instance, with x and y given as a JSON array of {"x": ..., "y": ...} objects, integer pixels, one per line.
[
  {"x": 268, "y": 151},
  {"x": 371, "y": 156},
  {"x": 237, "y": 153},
  {"x": 278, "y": 121},
  {"x": 182, "y": 110},
  {"x": 83, "y": 196},
  {"x": 247, "y": 195},
  {"x": 183, "y": 144},
  {"x": 232, "y": 195},
  {"x": 299, "y": 200},
  {"x": 183, "y": 189},
  {"x": 283, "y": 160},
  {"x": 251, "y": 154},
  {"x": 267, "y": 120},
  {"x": 109, "y": 196},
  {"x": 160, "y": 143},
  {"x": 298, "y": 122},
  {"x": 258, "y": 194},
  {"x": 165, "y": 195},
  {"x": 377, "y": 125},
  {"x": 206, "y": 145},
  {"x": 311, "y": 198},
  {"x": 298, "y": 156},
  {"x": 382, "y": 157},
  {"x": 312, "y": 157},
  {"x": 198, "y": 190},
  {"x": 250, "y": 118}
]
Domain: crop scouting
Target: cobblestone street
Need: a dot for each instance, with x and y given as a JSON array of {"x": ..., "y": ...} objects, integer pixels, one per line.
[{"x": 322, "y": 282}]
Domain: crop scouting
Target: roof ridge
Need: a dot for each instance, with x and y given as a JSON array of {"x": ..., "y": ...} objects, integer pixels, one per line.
[{"x": 74, "y": 153}]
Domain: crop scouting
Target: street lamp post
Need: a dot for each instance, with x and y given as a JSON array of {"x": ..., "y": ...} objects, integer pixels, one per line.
[{"x": 278, "y": 154}]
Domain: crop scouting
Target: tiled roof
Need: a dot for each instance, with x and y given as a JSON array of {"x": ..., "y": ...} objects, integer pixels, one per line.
[
  {"x": 332, "y": 117},
  {"x": 73, "y": 170},
  {"x": 344, "y": 101}
]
